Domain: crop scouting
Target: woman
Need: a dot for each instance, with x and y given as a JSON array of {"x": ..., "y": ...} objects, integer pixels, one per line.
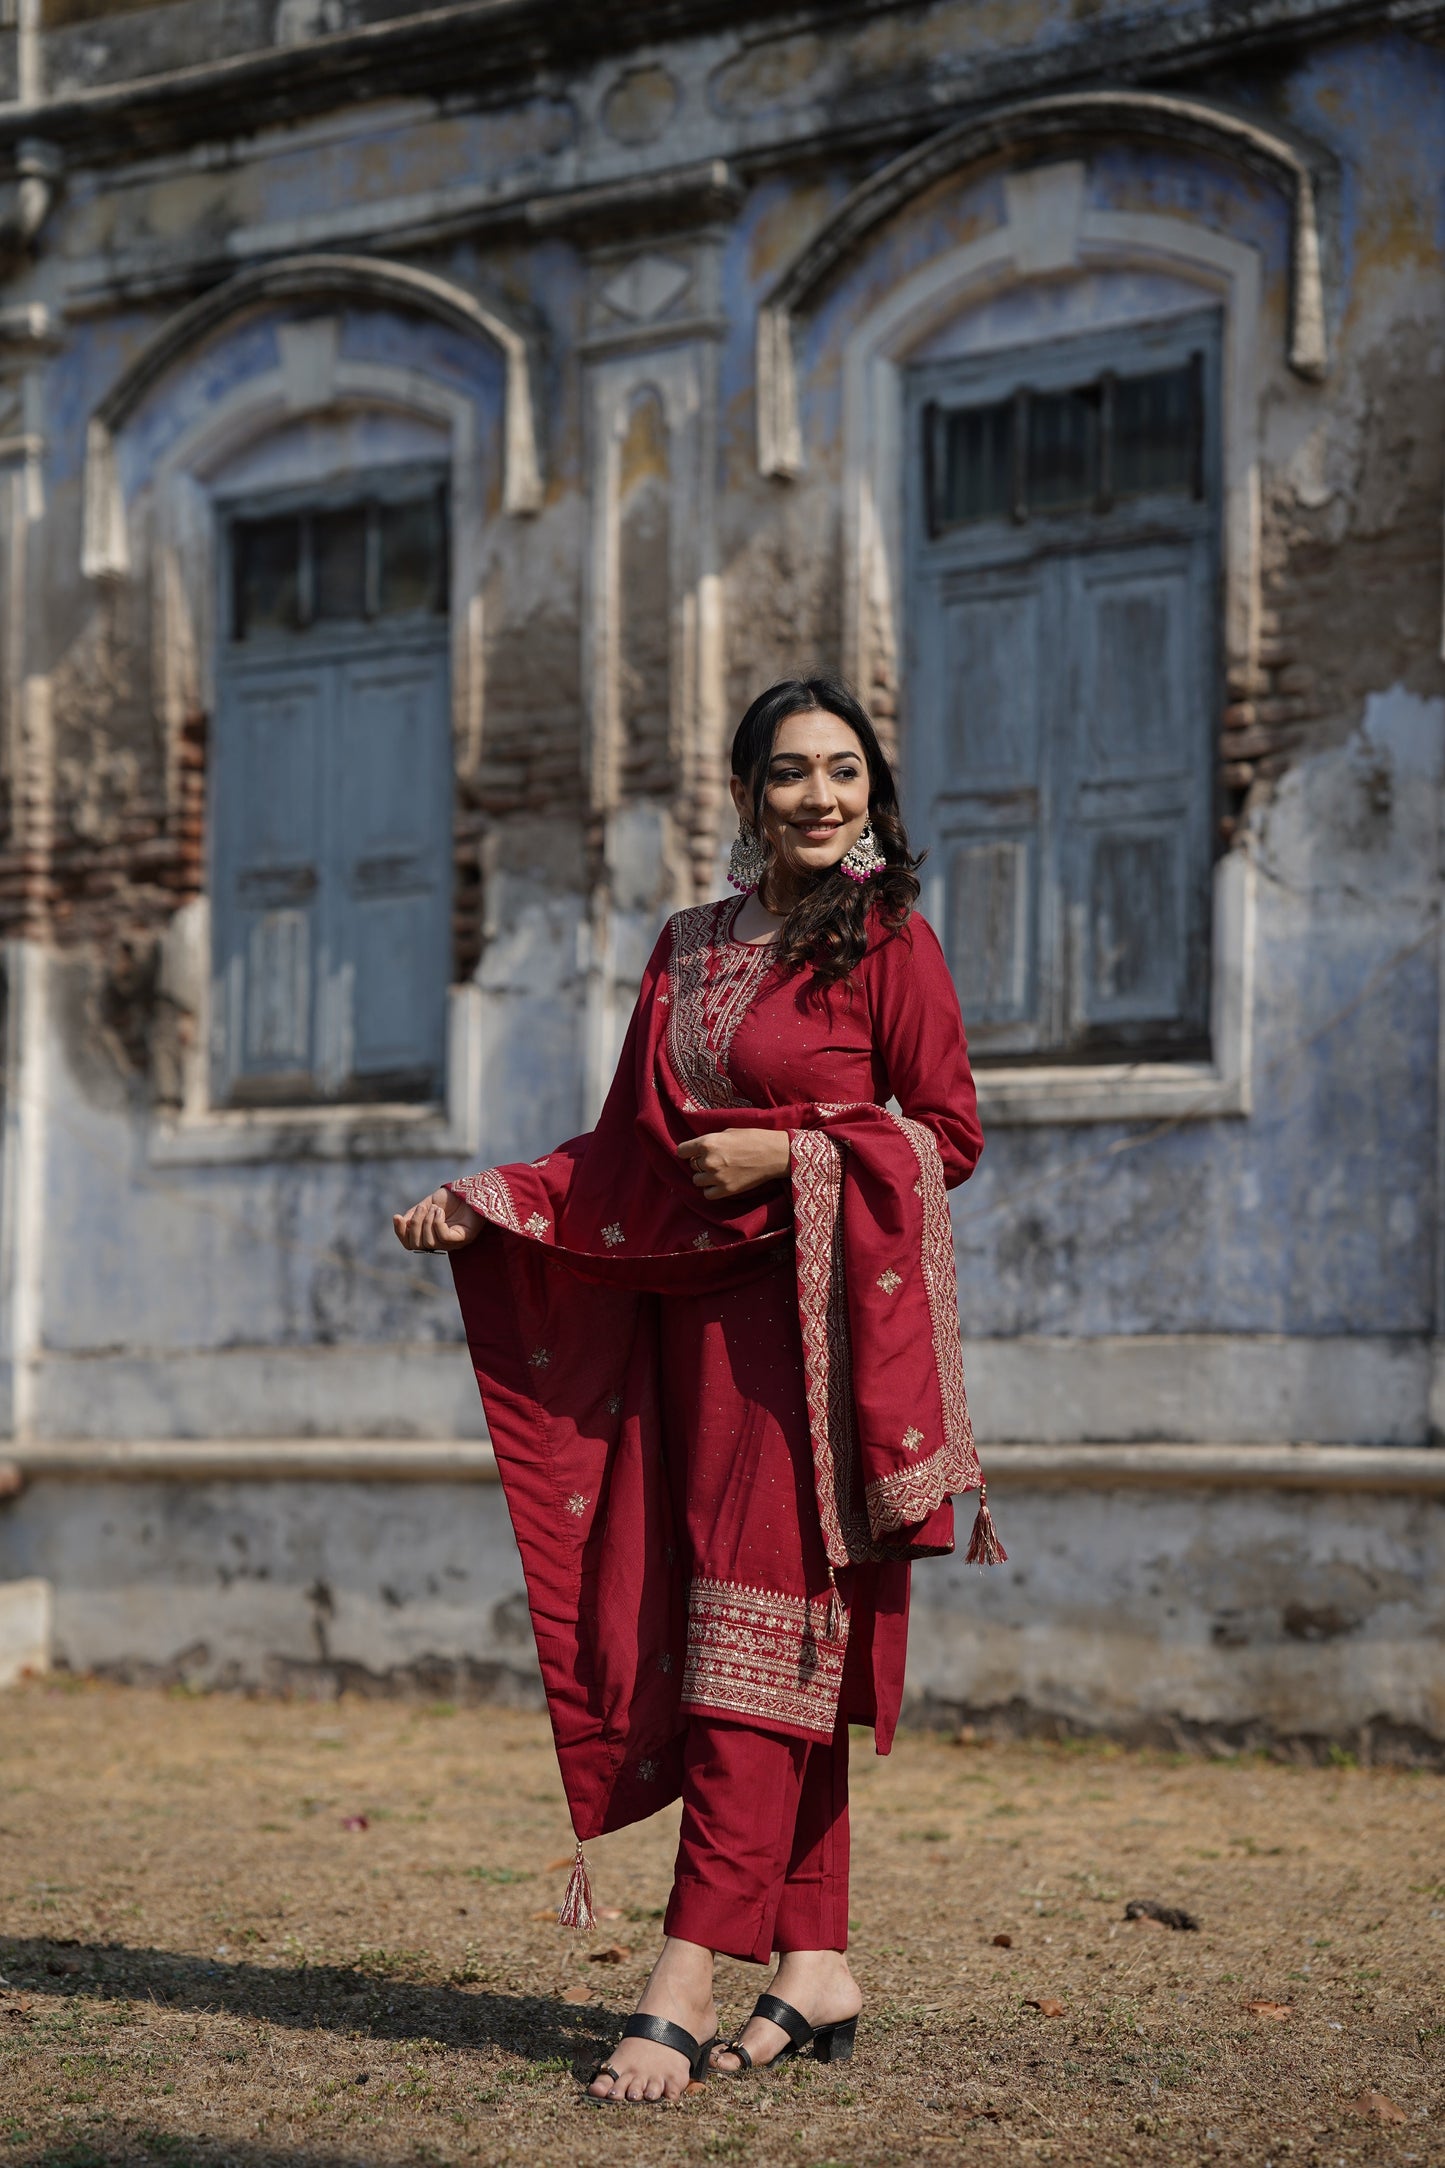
[{"x": 717, "y": 1342}]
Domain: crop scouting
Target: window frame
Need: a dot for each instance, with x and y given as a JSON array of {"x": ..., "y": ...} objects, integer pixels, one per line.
[
  {"x": 324, "y": 644},
  {"x": 996, "y": 549}
]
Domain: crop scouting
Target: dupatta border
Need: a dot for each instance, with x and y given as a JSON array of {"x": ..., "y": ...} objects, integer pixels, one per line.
[
  {"x": 817, "y": 1179},
  {"x": 488, "y": 1194},
  {"x": 908, "y": 1495}
]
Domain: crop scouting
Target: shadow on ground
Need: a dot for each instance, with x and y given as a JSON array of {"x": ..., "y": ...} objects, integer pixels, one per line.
[{"x": 337, "y": 1998}]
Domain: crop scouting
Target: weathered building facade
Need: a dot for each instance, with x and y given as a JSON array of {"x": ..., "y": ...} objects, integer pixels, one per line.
[{"x": 423, "y": 431}]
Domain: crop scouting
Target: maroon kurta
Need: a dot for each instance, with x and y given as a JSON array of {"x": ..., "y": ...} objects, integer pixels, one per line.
[{"x": 724, "y": 1428}]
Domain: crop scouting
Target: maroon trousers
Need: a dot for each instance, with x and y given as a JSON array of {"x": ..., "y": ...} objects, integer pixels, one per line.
[{"x": 762, "y": 1857}]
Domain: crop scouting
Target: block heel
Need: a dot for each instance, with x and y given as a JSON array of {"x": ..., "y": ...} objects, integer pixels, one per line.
[
  {"x": 825, "y": 2043},
  {"x": 834, "y": 2043}
]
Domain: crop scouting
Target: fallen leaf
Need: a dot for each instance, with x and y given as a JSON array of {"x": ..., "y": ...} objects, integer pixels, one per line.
[
  {"x": 692, "y": 2086},
  {"x": 1003, "y": 1942},
  {"x": 576, "y": 1994},
  {"x": 355, "y": 1822},
  {"x": 1145, "y": 1908},
  {"x": 1045, "y": 2005},
  {"x": 614, "y": 1954},
  {"x": 547, "y": 1912},
  {"x": 555, "y": 1866},
  {"x": 1145, "y": 1922},
  {"x": 1260, "y": 2008},
  {"x": 609, "y": 1912},
  {"x": 1379, "y": 2104}
]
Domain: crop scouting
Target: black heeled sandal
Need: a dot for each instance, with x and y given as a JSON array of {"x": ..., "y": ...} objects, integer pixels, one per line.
[
  {"x": 825, "y": 2043},
  {"x": 664, "y": 2034}
]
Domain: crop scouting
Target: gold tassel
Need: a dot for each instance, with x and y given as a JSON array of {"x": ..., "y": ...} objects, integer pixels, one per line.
[
  {"x": 984, "y": 1548},
  {"x": 835, "y": 1610},
  {"x": 576, "y": 1909}
]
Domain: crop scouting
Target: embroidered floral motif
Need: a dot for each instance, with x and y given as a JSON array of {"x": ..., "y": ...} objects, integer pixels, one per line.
[
  {"x": 762, "y": 1655},
  {"x": 539, "y": 1358},
  {"x": 614, "y": 1403},
  {"x": 613, "y": 1235},
  {"x": 665, "y": 1663},
  {"x": 647, "y": 1771},
  {"x": 702, "y": 1242},
  {"x": 890, "y": 1281},
  {"x": 911, "y": 1439},
  {"x": 537, "y": 1225},
  {"x": 488, "y": 1194},
  {"x": 713, "y": 981},
  {"x": 577, "y": 1504}
]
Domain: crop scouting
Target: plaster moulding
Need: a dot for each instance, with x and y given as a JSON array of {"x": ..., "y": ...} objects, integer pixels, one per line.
[
  {"x": 1031, "y": 127},
  {"x": 357, "y": 279}
]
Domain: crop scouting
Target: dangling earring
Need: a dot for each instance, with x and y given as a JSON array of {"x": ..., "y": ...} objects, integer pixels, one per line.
[
  {"x": 747, "y": 860},
  {"x": 863, "y": 859}
]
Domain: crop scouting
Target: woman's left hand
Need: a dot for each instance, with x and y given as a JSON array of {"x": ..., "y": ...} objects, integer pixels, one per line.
[{"x": 731, "y": 1161}]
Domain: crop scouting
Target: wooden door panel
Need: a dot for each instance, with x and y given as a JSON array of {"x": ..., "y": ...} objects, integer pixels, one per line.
[
  {"x": 266, "y": 878},
  {"x": 990, "y": 914},
  {"x": 980, "y": 644},
  {"x": 392, "y": 866},
  {"x": 1134, "y": 949},
  {"x": 990, "y": 685},
  {"x": 1133, "y": 629},
  {"x": 1135, "y": 856}
]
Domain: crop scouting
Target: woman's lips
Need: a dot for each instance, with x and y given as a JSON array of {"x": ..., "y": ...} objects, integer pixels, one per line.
[{"x": 819, "y": 832}]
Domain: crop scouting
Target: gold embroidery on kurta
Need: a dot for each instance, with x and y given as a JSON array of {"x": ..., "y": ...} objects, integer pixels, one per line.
[{"x": 755, "y": 1653}]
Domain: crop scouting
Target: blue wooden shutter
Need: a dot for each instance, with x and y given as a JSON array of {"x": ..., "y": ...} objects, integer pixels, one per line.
[
  {"x": 267, "y": 826},
  {"x": 985, "y": 656},
  {"x": 390, "y": 875},
  {"x": 1136, "y": 846}
]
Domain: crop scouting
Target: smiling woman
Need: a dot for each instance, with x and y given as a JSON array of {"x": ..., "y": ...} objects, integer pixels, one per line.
[{"x": 717, "y": 1342}]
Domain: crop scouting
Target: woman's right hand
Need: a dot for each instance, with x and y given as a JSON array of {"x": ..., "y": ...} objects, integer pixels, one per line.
[{"x": 442, "y": 1221}]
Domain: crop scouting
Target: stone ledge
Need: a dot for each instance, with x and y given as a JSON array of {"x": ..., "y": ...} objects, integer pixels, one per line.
[
  {"x": 1381, "y": 1469},
  {"x": 1378, "y": 1468},
  {"x": 249, "y": 1460}
]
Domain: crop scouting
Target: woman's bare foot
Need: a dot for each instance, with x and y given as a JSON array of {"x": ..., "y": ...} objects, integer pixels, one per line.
[
  {"x": 818, "y": 1984},
  {"x": 679, "y": 1987}
]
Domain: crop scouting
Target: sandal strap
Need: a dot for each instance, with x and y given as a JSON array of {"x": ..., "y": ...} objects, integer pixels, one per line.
[
  {"x": 782, "y": 2014},
  {"x": 735, "y": 2047},
  {"x": 664, "y": 2034}
]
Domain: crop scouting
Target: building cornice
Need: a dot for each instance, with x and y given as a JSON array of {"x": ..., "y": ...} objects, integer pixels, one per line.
[{"x": 482, "y": 51}]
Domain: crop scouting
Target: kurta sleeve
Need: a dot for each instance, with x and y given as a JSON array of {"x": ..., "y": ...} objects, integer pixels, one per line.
[{"x": 919, "y": 1038}]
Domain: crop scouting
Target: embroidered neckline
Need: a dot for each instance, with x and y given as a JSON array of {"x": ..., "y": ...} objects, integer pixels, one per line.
[{"x": 713, "y": 982}]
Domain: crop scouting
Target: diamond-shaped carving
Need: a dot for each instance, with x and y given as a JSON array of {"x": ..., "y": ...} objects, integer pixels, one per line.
[{"x": 645, "y": 287}]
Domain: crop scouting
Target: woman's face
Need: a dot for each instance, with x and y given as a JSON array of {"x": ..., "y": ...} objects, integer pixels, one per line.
[{"x": 815, "y": 805}]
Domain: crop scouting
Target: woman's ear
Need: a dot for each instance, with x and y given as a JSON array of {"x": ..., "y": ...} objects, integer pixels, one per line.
[{"x": 742, "y": 799}]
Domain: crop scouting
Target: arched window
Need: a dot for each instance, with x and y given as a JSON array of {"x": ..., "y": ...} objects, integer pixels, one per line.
[{"x": 331, "y": 803}]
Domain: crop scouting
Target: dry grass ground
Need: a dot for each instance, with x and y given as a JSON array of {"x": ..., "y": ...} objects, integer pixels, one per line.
[{"x": 203, "y": 1964}]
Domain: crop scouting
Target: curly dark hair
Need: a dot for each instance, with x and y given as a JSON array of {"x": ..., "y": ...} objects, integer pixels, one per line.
[{"x": 827, "y": 929}]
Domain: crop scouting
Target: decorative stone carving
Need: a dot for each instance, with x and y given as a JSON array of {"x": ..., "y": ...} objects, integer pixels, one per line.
[
  {"x": 647, "y": 286},
  {"x": 340, "y": 278},
  {"x": 640, "y": 104},
  {"x": 1070, "y": 118}
]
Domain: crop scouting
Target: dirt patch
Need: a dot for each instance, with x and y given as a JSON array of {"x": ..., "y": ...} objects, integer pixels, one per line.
[{"x": 255, "y": 1931}]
